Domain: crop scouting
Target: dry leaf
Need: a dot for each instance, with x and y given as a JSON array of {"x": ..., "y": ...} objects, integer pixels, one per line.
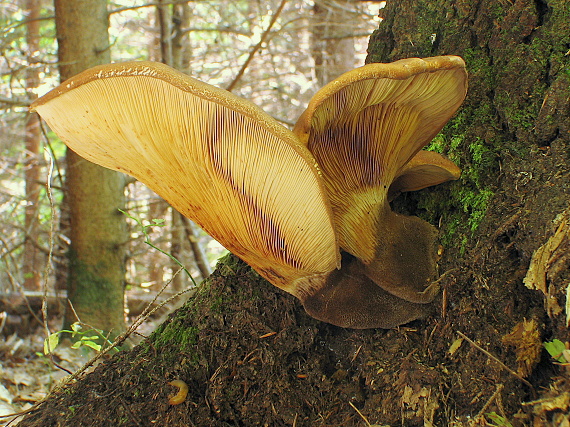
[
  {"x": 549, "y": 260},
  {"x": 525, "y": 338}
]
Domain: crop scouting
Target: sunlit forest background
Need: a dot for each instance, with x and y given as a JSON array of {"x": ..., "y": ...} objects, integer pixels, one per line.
[{"x": 276, "y": 54}]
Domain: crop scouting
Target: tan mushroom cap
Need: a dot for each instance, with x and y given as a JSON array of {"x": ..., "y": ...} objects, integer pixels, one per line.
[
  {"x": 350, "y": 299},
  {"x": 425, "y": 169},
  {"x": 366, "y": 125},
  {"x": 216, "y": 158}
]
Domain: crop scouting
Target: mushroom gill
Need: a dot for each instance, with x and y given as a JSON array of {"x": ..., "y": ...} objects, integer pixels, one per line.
[
  {"x": 366, "y": 130},
  {"x": 216, "y": 158}
]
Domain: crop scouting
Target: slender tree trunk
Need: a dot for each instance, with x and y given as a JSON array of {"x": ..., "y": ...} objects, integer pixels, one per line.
[
  {"x": 200, "y": 256},
  {"x": 181, "y": 50},
  {"x": 158, "y": 209},
  {"x": 177, "y": 248},
  {"x": 98, "y": 229},
  {"x": 332, "y": 50},
  {"x": 164, "y": 12},
  {"x": 31, "y": 164}
]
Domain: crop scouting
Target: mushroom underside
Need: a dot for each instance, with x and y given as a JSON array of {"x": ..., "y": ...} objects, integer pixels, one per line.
[{"x": 405, "y": 261}]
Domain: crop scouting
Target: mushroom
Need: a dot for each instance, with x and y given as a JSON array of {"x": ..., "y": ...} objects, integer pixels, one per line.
[
  {"x": 265, "y": 192},
  {"x": 425, "y": 169},
  {"x": 366, "y": 130},
  {"x": 216, "y": 158},
  {"x": 349, "y": 298}
]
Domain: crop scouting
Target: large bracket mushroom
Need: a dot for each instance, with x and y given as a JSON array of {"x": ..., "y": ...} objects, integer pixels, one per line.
[{"x": 291, "y": 204}]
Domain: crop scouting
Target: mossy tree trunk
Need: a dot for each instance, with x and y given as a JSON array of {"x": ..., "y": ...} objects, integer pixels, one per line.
[
  {"x": 251, "y": 356},
  {"x": 518, "y": 57},
  {"x": 94, "y": 194},
  {"x": 511, "y": 137}
]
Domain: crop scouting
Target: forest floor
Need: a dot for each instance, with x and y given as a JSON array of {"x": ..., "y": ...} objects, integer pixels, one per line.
[{"x": 250, "y": 356}]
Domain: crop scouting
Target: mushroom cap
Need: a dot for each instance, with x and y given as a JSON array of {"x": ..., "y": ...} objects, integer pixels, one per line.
[
  {"x": 350, "y": 299},
  {"x": 216, "y": 158},
  {"x": 425, "y": 169},
  {"x": 366, "y": 125}
]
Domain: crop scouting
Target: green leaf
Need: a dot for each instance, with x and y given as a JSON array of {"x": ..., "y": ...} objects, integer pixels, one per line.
[
  {"x": 76, "y": 344},
  {"x": 93, "y": 345},
  {"x": 499, "y": 420},
  {"x": 555, "y": 349},
  {"x": 51, "y": 342}
]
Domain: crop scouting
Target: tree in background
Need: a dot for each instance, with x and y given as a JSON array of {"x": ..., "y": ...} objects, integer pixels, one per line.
[
  {"x": 96, "y": 278},
  {"x": 32, "y": 260},
  {"x": 333, "y": 49}
]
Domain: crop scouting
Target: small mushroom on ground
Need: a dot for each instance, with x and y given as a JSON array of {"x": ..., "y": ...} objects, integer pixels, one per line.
[{"x": 255, "y": 186}]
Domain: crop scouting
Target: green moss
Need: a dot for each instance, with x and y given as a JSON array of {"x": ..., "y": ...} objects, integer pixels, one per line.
[
  {"x": 462, "y": 206},
  {"x": 178, "y": 335}
]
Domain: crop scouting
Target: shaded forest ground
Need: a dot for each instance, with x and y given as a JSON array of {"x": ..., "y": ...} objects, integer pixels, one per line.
[{"x": 251, "y": 356}]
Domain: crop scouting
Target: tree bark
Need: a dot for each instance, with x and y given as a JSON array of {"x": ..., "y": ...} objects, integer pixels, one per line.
[
  {"x": 98, "y": 230},
  {"x": 32, "y": 261},
  {"x": 332, "y": 47}
]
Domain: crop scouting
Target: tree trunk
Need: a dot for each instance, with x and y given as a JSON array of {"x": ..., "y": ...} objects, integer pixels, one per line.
[
  {"x": 98, "y": 229},
  {"x": 251, "y": 356},
  {"x": 198, "y": 251},
  {"x": 332, "y": 47},
  {"x": 32, "y": 261}
]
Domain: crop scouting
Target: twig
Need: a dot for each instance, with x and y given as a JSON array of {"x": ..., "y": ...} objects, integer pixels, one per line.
[
  {"x": 257, "y": 46},
  {"x": 356, "y": 354},
  {"x": 514, "y": 373},
  {"x": 15, "y": 102},
  {"x": 148, "y": 242},
  {"x": 360, "y": 413},
  {"x": 50, "y": 253},
  {"x": 52, "y": 157},
  {"x": 488, "y": 403}
]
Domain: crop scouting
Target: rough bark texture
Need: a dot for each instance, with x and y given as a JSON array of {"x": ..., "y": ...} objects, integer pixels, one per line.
[
  {"x": 94, "y": 194},
  {"x": 512, "y": 141}
]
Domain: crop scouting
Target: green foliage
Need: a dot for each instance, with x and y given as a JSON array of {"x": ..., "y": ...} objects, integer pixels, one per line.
[
  {"x": 89, "y": 338},
  {"x": 498, "y": 420},
  {"x": 145, "y": 230},
  {"x": 556, "y": 349}
]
